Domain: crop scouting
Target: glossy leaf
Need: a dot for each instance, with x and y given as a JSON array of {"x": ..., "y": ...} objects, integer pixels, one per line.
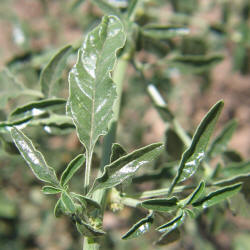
[
  {"x": 218, "y": 196},
  {"x": 163, "y": 31},
  {"x": 125, "y": 167},
  {"x": 161, "y": 204},
  {"x": 68, "y": 202},
  {"x": 92, "y": 91},
  {"x": 53, "y": 70},
  {"x": 71, "y": 169},
  {"x": 59, "y": 209},
  {"x": 141, "y": 227},
  {"x": 194, "y": 196},
  {"x": 219, "y": 144},
  {"x": 235, "y": 169},
  {"x": 37, "y": 108},
  {"x": 194, "y": 155},
  {"x": 117, "y": 151},
  {"x": 88, "y": 230},
  {"x": 168, "y": 237},
  {"x": 173, "y": 224},
  {"x": 33, "y": 157},
  {"x": 51, "y": 190}
]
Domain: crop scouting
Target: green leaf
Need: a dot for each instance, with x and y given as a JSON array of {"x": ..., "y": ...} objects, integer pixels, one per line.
[
  {"x": 235, "y": 169},
  {"x": 59, "y": 209},
  {"x": 163, "y": 32},
  {"x": 88, "y": 230},
  {"x": 107, "y": 9},
  {"x": 141, "y": 227},
  {"x": 194, "y": 155},
  {"x": 37, "y": 108},
  {"x": 33, "y": 157},
  {"x": 219, "y": 144},
  {"x": 168, "y": 237},
  {"x": 173, "y": 224},
  {"x": 117, "y": 151},
  {"x": 68, "y": 202},
  {"x": 126, "y": 166},
  {"x": 218, "y": 196},
  {"x": 9, "y": 87},
  {"x": 53, "y": 70},
  {"x": 71, "y": 169},
  {"x": 92, "y": 91},
  {"x": 51, "y": 190},
  {"x": 161, "y": 204},
  {"x": 194, "y": 196}
]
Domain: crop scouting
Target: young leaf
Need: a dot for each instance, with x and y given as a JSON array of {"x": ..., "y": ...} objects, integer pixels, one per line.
[
  {"x": 126, "y": 166},
  {"x": 51, "y": 190},
  {"x": 68, "y": 202},
  {"x": 88, "y": 230},
  {"x": 219, "y": 144},
  {"x": 194, "y": 155},
  {"x": 92, "y": 91},
  {"x": 71, "y": 169},
  {"x": 194, "y": 196},
  {"x": 117, "y": 151},
  {"x": 59, "y": 209},
  {"x": 168, "y": 237},
  {"x": 141, "y": 227},
  {"x": 218, "y": 196},
  {"x": 53, "y": 70},
  {"x": 33, "y": 157},
  {"x": 173, "y": 224},
  {"x": 36, "y": 108},
  {"x": 161, "y": 204}
]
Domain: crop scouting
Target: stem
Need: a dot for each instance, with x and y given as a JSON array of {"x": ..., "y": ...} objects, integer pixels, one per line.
[
  {"x": 87, "y": 171},
  {"x": 100, "y": 195}
]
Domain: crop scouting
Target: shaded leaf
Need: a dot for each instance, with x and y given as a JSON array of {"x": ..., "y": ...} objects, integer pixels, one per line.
[
  {"x": 219, "y": 144},
  {"x": 194, "y": 196},
  {"x": 218, "y": 196},
  {"x": 126, "y": 166},
  {"x": 59, "y": 209},
  {"x": 161, "y": 204},
  {"x": 163, "y": 32},
  {"x": 194, "y": 155},
  {"x": 168, "y": 237},
  {"x": 88, "y": 230},
  {"x": 232, "y": 156},
  {"x": 33, "y": 157},
  {"x": 53, "y": 70},
  {"x": 51, "y": 190},
  {"x": 68, "y": 202},
  {"x": 36, "y": 108},
  {"x": 235, "y": 169},
  {"x": 92, "y": 91},
  {"x": 71, "y": 169},
  {"x": 117, "y": 151},
  {"x": 173, "y": 224},
  {"x": 141, "y": 227}
]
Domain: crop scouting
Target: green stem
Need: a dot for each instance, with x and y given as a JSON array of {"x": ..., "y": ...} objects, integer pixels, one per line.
[
  {"x": 101, "y": 195},
  {"x": 87, "y": 171}
]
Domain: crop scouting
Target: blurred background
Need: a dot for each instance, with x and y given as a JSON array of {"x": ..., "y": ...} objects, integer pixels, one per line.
[{"x": 208, "y": 62}]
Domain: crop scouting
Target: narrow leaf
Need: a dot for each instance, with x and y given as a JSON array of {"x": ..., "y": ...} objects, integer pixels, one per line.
[
  {"x": 88, "y": 230},
  {"x": 37, "y": 108},
  {"x": 71, "y": 169},
  {"x": 194, "y": 155},
  {"x": 33, "y": 157},
  {"x": 68, "y": 202},
  {"x": 218, "y": 196},
  {"x": 161, "y": 204},
  {"x": 125, "y": 167},
  {"x": 51, "y": 190},
  {"x": 141, "y": 227},
  {"x": 194, "y": 196},
  {"x": 59, "y": 209},
  {"x": 168, "y": 237},
  {"x": 219, "y": 144},
  {"x": 117, "y": 151},
  {"x": 173, "y": 224},
  {"x": 53, "y": 70},
  {"x": 235, "y": 169},
  {"x": 92, "y": 91}
]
